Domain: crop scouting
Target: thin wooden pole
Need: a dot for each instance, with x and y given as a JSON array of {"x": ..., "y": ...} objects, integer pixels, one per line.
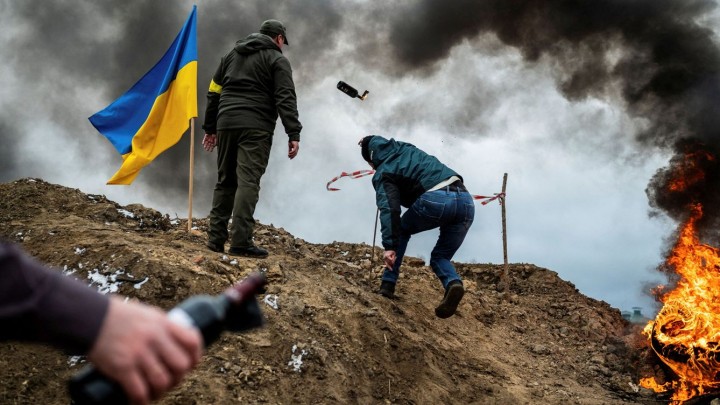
[
  {"x": 377, "y": 215},
  {"x": 504, "y": 234},
  {"x": 192, "y": 169}
]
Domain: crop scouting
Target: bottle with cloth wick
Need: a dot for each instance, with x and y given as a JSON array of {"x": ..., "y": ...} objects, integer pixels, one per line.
[{"x": 351, "y": 91}]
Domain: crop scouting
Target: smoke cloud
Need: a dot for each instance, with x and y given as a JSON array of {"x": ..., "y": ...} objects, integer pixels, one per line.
[
  {"x": 61, "y": 48},
  {"x": 619, "y": 82},
  {"x": 651, "y": 55},
  {"x": 691, "y": 178}
]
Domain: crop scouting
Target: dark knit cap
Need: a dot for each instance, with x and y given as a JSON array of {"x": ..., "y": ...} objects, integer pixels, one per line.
[{"x": 364, "y": 148}]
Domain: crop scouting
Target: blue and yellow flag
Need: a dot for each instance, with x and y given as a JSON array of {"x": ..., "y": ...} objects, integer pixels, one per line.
[{"x": 154, "y": 114}]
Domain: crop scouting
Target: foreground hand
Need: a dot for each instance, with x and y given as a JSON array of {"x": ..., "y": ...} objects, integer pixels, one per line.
[
  {"x": 141, "y": 349},
  {"x": 389, "y": 258},
  {"x": 209, "y": 142},
  {"x": 293, "y": 148}
]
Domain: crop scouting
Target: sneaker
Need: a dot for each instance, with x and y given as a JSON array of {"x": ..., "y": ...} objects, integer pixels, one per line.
[
  {"x": 215, "y": 247},
  {"x": 251, "y": 251},
  {"x": 453, "y": 294},
  {"x": 387, "y": 289}
]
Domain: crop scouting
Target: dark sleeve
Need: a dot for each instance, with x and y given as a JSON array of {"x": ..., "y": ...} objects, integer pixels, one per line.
[
  {"x": 213, "y": 100},
  {"x": 388, "y": 202},
  {"x": 285, "y": 98},
  {"x": 38, "y": 304}
]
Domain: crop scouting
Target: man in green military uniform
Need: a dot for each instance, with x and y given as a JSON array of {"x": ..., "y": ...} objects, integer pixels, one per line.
[{"x": 250, "y": 88}]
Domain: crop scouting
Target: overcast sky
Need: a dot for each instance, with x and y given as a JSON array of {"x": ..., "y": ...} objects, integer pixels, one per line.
[{"x": 485, "y": 104}]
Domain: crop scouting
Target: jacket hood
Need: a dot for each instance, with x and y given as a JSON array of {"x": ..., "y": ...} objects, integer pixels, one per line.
[
  {"x": 380, "y": 149},
  {"x": 254, "y": 43}
]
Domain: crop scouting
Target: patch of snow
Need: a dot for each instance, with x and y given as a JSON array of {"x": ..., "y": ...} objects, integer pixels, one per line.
[
  {"x": 75, "y": 360},
  {"x": 79, "y": 251},
  {"x": 138, "y": 285},
  {"x": 126, "y": 213},
  {"x": 105, "y": 284},
  {"x": 272, "y": 301},
  {"x": 296, "y": 360}
]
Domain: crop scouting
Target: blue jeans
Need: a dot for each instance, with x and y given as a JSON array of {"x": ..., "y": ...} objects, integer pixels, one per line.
[{"x": 451, "y": 211}]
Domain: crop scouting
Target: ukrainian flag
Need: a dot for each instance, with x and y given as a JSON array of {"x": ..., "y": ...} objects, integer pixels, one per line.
[{"x": 154, "y": 114}]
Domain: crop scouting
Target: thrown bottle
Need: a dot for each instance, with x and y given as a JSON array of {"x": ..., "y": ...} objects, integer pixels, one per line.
[{"x": 351, "y": 91}]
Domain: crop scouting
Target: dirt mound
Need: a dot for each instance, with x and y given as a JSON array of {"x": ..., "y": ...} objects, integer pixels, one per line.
[{"x": 329, "y": 338}]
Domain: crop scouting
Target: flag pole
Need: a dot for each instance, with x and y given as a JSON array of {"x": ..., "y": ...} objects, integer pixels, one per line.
[{"x": 192, "y": 168}]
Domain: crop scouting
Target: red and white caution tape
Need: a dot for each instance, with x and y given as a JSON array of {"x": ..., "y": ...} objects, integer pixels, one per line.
[
  {"x": 353, "y": 175},
  {"x": 488, "y": 199},
  {"x": 362, "y": 173}
]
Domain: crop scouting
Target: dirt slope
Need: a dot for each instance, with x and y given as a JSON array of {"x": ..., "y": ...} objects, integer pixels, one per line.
[{"x": 330, "y": 339}]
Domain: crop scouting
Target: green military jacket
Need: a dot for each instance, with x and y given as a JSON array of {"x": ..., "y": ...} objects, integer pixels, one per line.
[{"x": 251, "y": 86}]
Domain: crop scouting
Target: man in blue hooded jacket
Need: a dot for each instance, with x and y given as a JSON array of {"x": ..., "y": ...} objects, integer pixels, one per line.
[{"x": 434, "y": 196}]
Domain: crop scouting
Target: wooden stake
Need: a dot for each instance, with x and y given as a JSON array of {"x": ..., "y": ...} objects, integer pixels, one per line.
[
  {"x": 377, "y": 215},
  {"x": 192, "y": 168},
  {"x": 504, "y": 235}
]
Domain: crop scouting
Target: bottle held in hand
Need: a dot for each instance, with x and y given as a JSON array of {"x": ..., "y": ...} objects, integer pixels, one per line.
[{"x": 235, "y": 310}]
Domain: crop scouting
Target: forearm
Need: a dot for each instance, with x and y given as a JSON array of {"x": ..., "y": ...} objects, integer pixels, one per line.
[
  {"x": 388, "y": 202},
  {"x": 286, "y": 100},
  {"x": 39, "y": 304},
  {"x": 390, "y": 229},
  {"x": 211, "y": 112},
  {"x": 287, "y": 109}
]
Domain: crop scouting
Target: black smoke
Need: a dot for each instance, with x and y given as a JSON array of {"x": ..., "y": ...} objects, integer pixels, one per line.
[
  {"x": 652, "y": 55},
  {"x": 690, "y": 181}
]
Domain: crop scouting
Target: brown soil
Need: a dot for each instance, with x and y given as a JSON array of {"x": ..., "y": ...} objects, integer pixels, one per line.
[{"x": 541, "y": 342}]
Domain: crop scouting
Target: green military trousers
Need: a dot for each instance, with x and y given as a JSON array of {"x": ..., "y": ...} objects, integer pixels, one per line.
[{"x": 242, "y": 158}]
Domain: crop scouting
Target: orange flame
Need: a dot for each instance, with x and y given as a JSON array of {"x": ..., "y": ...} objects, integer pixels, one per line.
[
  {"x": 689, "y": 173},
  {"x": 686, "y": 331}
]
